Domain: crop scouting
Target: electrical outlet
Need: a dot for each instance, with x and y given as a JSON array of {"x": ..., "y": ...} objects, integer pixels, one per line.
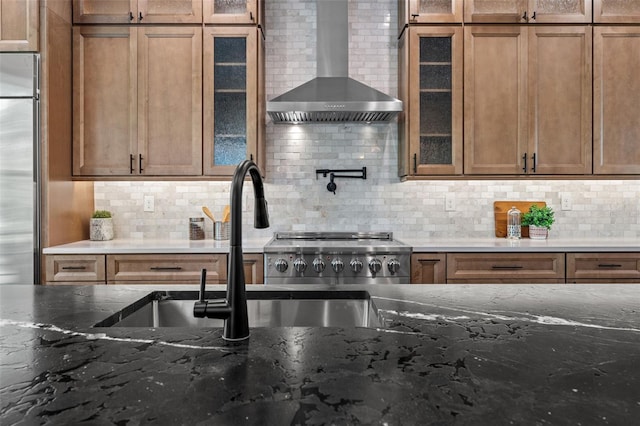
[
  {"x": 566, "y": 202},
  {"x": 449, "y": 202},
  {"x": 149, "y": 203}
]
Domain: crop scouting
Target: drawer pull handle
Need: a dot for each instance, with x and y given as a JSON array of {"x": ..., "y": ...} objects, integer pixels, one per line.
[
  {"x": 609, "y": 265},
  {"x": 505, "y": 267},
  {"x": 166, "y": 268},
  {"x": 74, "y": 268}
]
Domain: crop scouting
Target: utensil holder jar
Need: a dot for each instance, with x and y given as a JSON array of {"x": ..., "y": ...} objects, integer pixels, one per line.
[{"x": 221, "y": 230}]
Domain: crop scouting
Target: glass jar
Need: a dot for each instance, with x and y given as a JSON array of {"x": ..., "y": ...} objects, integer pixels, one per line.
[
  {"x": 514, "y": 229},
  {"x": 196, "y": 228}
]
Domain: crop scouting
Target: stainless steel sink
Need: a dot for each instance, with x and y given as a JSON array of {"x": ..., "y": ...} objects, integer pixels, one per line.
[{"x": 265, "y": 309}]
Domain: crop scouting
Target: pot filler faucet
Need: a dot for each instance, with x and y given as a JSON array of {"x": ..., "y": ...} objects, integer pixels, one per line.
[{"x": 233, "y": 309}]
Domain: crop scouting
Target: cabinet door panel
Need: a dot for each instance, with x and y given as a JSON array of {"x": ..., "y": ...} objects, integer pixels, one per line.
[
  {"x": 164, "y": 268},
  {"x": 433, "y": 11},
  {"x": 75, "y": 269},
  {"x": 230, "y": 98},
  {"x": 495, "y": 134},
  {"x": 231, "y": 12},
  {"x": 496, "y": 11},
  {"x": 560, "y": 100},
  {"x": 170, "y": 11},
  {"x": 616, "y": 100},
  {"x": 170, "y": 100},
  {"x": 616, "y": 11},
  {"x": 603, "y": 266},
  {"x": 505, "y": 266},
  {"x": 104, "y": 100},
  {"x": 554, "y": 11},
  {"x": 435, "y": 100},
  {"x": 428, "y": 268},
  {"x": 104, "y": 11},
  {"x": 19, "y": 25}
]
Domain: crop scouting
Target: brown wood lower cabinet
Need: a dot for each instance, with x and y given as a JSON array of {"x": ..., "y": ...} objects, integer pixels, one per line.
[
  {"x": 253, "y": 268},
  {"x": 515, "y": 268},
  {"x": 428, "y": 268},
  {"x": 603, "y": 268},
  {"x": 75, "y": 269},
  {"x": 165, "y": 268}
]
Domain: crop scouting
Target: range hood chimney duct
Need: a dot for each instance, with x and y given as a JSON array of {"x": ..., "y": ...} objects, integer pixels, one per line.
[{"x": 333, "y": 96}]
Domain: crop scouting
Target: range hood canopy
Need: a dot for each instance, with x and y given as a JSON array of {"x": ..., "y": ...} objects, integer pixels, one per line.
[{"x": 333, "y": 96}]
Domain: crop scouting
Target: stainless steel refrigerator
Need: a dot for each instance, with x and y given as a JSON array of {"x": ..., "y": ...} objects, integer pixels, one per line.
[{"x": 19, "y": 168}]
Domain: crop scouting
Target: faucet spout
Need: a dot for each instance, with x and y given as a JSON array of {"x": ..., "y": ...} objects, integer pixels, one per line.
[{"x": 236, "y": 325}]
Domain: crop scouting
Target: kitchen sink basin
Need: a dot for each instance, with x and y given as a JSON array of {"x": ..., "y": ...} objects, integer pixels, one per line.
[{"x": 265, "y": 309}]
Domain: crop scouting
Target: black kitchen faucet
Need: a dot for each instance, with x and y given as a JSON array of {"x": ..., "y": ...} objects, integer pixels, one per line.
[{"x": 233, "y": 309}]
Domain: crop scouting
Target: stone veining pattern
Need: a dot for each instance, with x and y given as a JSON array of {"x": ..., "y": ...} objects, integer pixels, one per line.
[{"x": 449, "y": 355}]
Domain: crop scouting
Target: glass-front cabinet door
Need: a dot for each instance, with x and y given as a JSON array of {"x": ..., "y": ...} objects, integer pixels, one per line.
[
  {"x": 435, "y": 100},
  {"x": 232, "y": 11},
  {"x": 230, "y": 98}
]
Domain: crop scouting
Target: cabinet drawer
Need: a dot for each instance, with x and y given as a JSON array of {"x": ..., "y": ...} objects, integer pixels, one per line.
[
  {"x": 505, "y": 266},
  {"x": 75, "y": 269},
  {"x": 165, "y": 268},
  {"x": 603, "y": 265}
]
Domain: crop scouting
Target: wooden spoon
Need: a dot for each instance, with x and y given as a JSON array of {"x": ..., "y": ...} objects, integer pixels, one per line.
[
  {"x": 206, "y": 211},
  {"x": 226, "y": 213}
]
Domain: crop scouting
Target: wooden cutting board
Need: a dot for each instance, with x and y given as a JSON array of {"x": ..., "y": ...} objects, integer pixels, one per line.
[{"x": 500, "y": 209}]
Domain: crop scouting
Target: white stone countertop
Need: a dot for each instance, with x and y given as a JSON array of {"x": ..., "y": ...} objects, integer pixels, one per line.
[
  {"x": 143, "y": 246},
  {"x": 256, "y": 245},
  {"x": 551, "y": 244}
]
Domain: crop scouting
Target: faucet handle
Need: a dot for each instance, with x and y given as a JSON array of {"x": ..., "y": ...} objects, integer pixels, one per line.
[{"x": 203, "y": 283}]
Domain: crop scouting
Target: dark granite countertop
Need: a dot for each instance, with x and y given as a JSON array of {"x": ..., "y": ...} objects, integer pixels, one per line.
[{"x": 454, "y": 354}]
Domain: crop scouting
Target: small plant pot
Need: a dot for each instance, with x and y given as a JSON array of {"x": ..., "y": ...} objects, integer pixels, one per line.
[
  {"x": 538, "y": 232},
  {"x": 101, "y": 229}
]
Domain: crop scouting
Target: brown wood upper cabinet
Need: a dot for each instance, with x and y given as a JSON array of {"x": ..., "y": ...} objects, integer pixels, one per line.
[
  {"x": 430, "y": 128},
  {"x": 233, "y": 66},
  {"x": 137, "y": 101},
  {"x": 233, "y": 12},
  {"x": 616, "y": 100},
  {"x": 616, "y": 11},
  {"x": 423, "y": 12},
  {"x": 137, "y": 11},
  {"x": 527, "y": 99},
  {"x": 19, "y": 25},
  {"x": 527, "y": 11}
]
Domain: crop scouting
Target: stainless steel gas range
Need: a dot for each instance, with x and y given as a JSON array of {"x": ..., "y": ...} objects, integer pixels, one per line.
[{"x": 336, "y": 258}]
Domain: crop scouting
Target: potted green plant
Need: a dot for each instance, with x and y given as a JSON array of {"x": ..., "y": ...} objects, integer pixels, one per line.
[
  {"x": 101, "y": 227},
  {"x": 539, "y": 221}
]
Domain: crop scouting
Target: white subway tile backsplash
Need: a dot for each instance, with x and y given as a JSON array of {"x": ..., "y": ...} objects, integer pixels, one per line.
[{"x": 297, "y": 196}]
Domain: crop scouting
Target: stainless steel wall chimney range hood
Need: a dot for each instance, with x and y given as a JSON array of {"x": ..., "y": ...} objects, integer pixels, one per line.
[{"x": 332, "y": 96}]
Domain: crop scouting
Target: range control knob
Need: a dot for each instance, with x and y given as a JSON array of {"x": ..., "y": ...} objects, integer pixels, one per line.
[
  {"x": 318, "y": 264},
  {"x": 300, "y": 264},
  {"x": 393, "y": 265},
  {"x": 375, "y": 265},
  {"x": 337, "y": 264},
  {"x": 356, "y": 265},
  {"x": 281, "y": 265}
]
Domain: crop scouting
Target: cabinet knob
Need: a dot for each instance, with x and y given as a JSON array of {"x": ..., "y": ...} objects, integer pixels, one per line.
[
  {"x": 524, "y": 16},
  {"x": 130, "y": 16}
]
